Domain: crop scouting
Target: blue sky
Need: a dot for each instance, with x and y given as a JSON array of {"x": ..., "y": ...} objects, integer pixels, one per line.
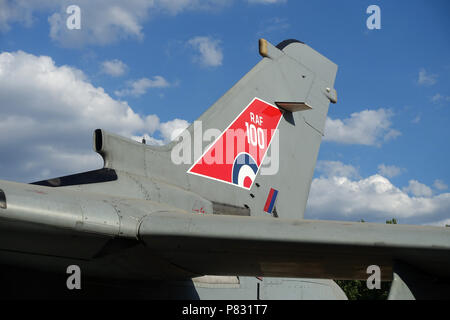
[{"x": 394, "y": 81}]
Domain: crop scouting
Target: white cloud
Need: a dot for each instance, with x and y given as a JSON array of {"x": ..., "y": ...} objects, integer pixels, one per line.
[
  {"x": 177, "y": 6},
  {"x": 21, "y": 11},
  {"x": 418, "y": 189},
  {"x": 273, "y": 24},
  {"x": 336, "y": 168},
  {"x": 209, "y": 52},
  {"x": 368, "y": 127},
  {"x": 442, "y": 223},
  {"x": 102, "y": 21},
  {"x": 436, "y": 97},
  {"x": 440, "y": 185},
  {"x": 416, "y": 119},
  {"x": 375, "y": 198},
  {"x": 114, "y": 68},
  {"x": 139, "y": 87},
  {"x": 390, "y": 171},
  {"x": 172, "y": 129},
  {"x": 426, "y": 79},
  {"x": 169, "y": 131},
  {"x": 266, "y": 1},
  {"x": 440, "y": 98},
  {"x": 391, "y": 135},
  {"x": 48, "y": 115}
]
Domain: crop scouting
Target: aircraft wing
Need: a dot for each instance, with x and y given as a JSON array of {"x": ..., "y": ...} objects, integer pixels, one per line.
[
  {"x": 218, "y": 244},
  {"x": 93, "y": 228},
  {"x": 120, "y": 239}
]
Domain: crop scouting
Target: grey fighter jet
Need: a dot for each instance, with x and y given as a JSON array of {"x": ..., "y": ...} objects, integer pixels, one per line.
[{"x": 215, "y": 214}]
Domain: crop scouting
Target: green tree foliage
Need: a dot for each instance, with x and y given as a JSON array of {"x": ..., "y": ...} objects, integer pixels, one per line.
[
  {"x": 392, "y": 221},
  {"x": 357, "y": 289}
]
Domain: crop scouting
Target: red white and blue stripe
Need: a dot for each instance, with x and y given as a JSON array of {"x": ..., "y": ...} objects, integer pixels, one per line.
[{"x": 270, "y": 202}]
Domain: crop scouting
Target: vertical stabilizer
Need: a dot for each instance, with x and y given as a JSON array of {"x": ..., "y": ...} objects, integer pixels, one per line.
[{"x": 271, "y": 123}]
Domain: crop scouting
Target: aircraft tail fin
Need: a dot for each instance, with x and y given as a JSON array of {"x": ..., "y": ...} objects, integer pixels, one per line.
[
  {"x": 271, "y": 123},
  {"x": 254, "y": 150}
]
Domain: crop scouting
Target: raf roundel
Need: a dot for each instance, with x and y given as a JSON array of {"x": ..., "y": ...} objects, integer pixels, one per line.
[{"x": 244, "y": 170}]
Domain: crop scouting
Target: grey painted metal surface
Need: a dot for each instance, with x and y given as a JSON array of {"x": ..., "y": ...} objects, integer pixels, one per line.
[
  {"x": 300, "y": 248},
  {"x": 399, "y": 290},
  {"x": 245, "y": 288},
  {"x": 143, "y": 218}
]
